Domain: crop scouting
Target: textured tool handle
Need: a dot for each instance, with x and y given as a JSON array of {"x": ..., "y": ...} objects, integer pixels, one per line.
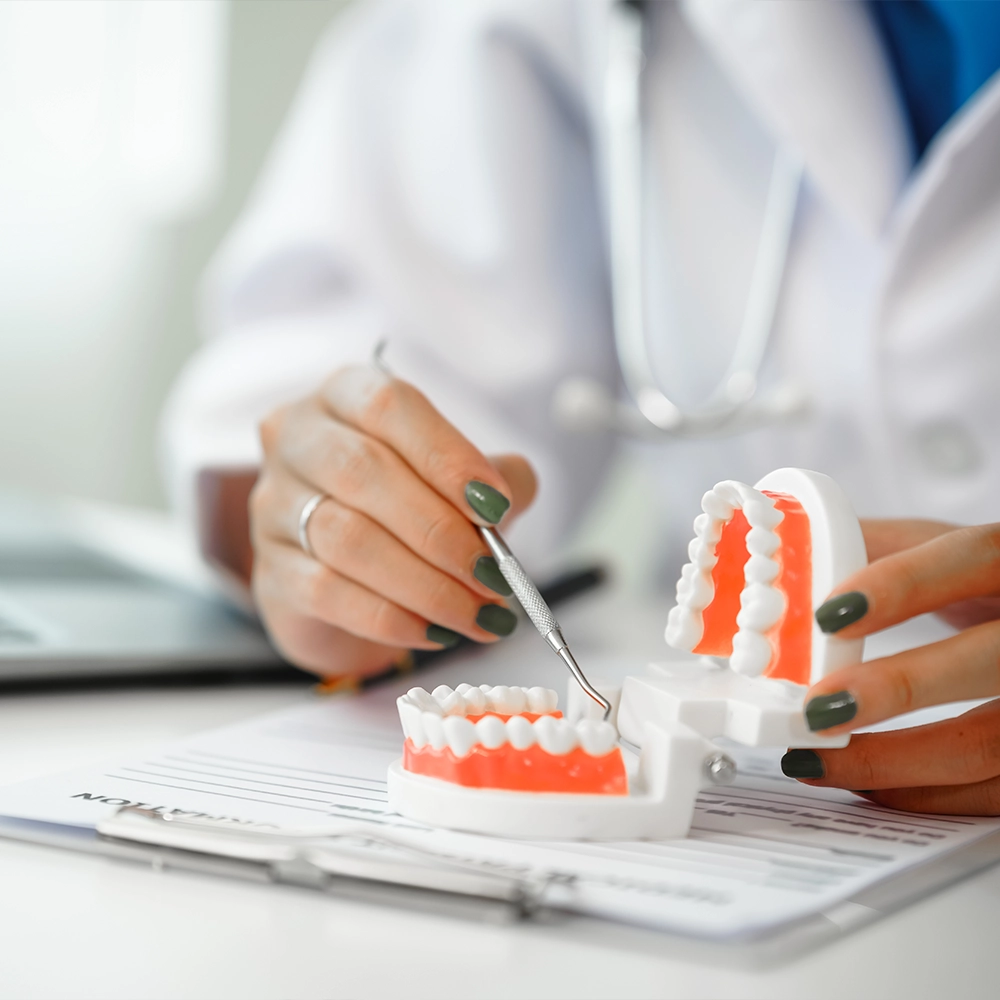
[
  {"x": 525, "y": 591},
  {"x": 538, "y": 611}
]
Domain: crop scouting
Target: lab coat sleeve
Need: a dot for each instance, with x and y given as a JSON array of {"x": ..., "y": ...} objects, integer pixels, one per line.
[{"x": 433, "y": 185}]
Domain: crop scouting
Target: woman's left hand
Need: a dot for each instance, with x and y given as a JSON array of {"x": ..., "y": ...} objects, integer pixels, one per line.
[{"x": 945, "y": 767}]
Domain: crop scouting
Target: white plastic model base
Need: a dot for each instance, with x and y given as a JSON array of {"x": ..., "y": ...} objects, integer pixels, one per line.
[
  {"x": 659, "y": 805},
  {"x": 717, "y": 702},
  {"x": 490, "y": 733}
]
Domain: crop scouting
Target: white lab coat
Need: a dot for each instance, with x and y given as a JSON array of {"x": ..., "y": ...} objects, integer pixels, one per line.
[{"x": 439, "y": 182}]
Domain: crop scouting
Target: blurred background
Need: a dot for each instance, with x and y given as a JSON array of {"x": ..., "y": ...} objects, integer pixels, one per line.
[{"x": 130, "y": 135}]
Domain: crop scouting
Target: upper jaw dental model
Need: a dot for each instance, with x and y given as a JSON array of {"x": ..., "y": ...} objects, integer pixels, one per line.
[
  {"x": 762, "y": 559},
  {"x": 503, "y": 760}
]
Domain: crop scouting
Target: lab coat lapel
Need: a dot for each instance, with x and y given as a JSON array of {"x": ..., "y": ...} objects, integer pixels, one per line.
[
  {"x": 937, "y": 322},
  {"x": 957, "y": 179},
  {"x": 816, "y": 75}
]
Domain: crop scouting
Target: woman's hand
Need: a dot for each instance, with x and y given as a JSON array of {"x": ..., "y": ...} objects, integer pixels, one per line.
[
  {"x": 398, "y": 562},
  {"x": 946, "y": 767}
]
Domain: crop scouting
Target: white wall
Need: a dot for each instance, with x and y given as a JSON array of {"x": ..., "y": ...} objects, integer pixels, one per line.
[
  {"x": 129, "y": 137},
  {"x": 101, "y": 250}
]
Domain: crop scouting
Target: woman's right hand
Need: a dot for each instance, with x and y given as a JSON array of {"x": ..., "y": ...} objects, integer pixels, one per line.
[{"x": 398, "y": 562}]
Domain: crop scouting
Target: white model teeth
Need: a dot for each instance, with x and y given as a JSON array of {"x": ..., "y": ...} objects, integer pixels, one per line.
[
  {"x": 761, "y": 607},
  {"x": 460, "y": 734},
  {"x": 432, "y": 719},
  {"x": 761, "y": 569},
  {"x": 762, "y": 515},
  {"x": 542, "y": 700},
  {"x": 491, "y": 732},
  {"x": 685, "y": 627},
  {"x": 433, "y": 726},
  {"x": 750, "y": 650},
  {"x": 475, "y": 699},
  {"x": 708, "y": 528},
  {"x": 469, "y": 700},
  {"x": 762, "y": 542},
  {"x": 520, "y": 732},
  {"x": 761, "y": 603},
  {"x": 556, "y": 736}
]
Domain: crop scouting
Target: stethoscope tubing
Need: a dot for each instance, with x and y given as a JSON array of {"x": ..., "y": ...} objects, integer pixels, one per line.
[{"x": 734, "y": 406}]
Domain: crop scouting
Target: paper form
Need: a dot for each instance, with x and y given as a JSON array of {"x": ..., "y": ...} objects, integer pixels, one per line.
[{"x": 761, "y": 853}]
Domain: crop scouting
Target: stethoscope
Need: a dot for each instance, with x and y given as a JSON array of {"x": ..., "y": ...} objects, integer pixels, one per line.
[{"x": 735, "y": 405}]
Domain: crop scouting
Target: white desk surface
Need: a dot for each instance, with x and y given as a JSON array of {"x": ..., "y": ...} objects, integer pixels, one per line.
[{"x": 77, "y": 926}]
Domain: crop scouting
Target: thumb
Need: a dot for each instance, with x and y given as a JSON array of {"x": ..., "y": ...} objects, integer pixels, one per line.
[{"x": 520, "y": 476}]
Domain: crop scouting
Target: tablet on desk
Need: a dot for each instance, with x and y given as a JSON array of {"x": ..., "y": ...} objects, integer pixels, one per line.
[{"x": 71, "y": 607}]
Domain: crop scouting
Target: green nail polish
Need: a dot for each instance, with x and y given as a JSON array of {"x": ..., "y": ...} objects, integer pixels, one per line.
[
  {"x": 827, "y": 710},
  {"x": 802, "y": 764},
  {"x": 496, "y": 619},
  {"x": 443, "y": 636},
  {"x": 841, "y": 611},
  {"x": 488, "y": 573},
  {"x": 487, "y": 502}
]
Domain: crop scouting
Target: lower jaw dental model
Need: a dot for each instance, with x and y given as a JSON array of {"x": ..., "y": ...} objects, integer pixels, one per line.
[
  {"x": 508, "y": 737},
  {"x": 504, "y": 761}
]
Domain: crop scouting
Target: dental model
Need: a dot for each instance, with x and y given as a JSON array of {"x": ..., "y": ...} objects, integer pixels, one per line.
[
  {"x": 762, "y": 559},
  {"x": 503, "y": 761},
  {"x": 508, "y": 737}
]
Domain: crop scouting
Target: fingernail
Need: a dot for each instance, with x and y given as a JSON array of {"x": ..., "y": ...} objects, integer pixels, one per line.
[
  {"x": 443, "y": 636},
  {"x": 496, "y": 619},
  {"x": 487, "y": 572},
  {"x": 487, "y": 502},
  {"x": 802, "y": 764},
  {"x": 826, "y": 710},
  {"x": 841, "y": 611}
]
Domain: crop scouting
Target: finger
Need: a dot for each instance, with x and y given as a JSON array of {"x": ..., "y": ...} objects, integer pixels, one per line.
[
  {"x": 396, "y": 413},
  {"x": 885, "y": 536},
  {"x": 369, "y": 477},
  {"x": 354, "y": 544},
  {"x": 284, "y": 576},
  {"x": 957, "y": 751},
  {"x": 356, "y": 547},
  {"x": 960, "y": 668},
  {"x": 979, "y": 799},
  {"x": 519, "y": 475},
  {"x": 965, "y": 614},
  {"x": 325, "y": 649},
  {"x": 954, "y": 566}
]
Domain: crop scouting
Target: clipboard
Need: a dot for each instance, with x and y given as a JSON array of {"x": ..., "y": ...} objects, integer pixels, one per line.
[
  {"x": 342, "y": 856},
  {"x": 421, "y": 882},
  {"x": 314, "y": 767}
]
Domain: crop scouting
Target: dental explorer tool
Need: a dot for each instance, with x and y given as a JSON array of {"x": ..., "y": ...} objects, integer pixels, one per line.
[
  {"x": 538, "y": 611},
  {"x": 526, "y": 592}
]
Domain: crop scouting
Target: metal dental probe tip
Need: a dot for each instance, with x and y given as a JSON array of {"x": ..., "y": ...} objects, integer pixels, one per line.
[{"x": 538, "y": 611}]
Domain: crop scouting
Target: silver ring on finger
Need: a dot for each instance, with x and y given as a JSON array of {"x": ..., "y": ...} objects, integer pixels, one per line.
[{"x": 307, "y": 512}]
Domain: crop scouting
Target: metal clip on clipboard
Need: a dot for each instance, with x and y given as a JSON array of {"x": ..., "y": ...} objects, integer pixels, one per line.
[{"x": 348, "y": 859}]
